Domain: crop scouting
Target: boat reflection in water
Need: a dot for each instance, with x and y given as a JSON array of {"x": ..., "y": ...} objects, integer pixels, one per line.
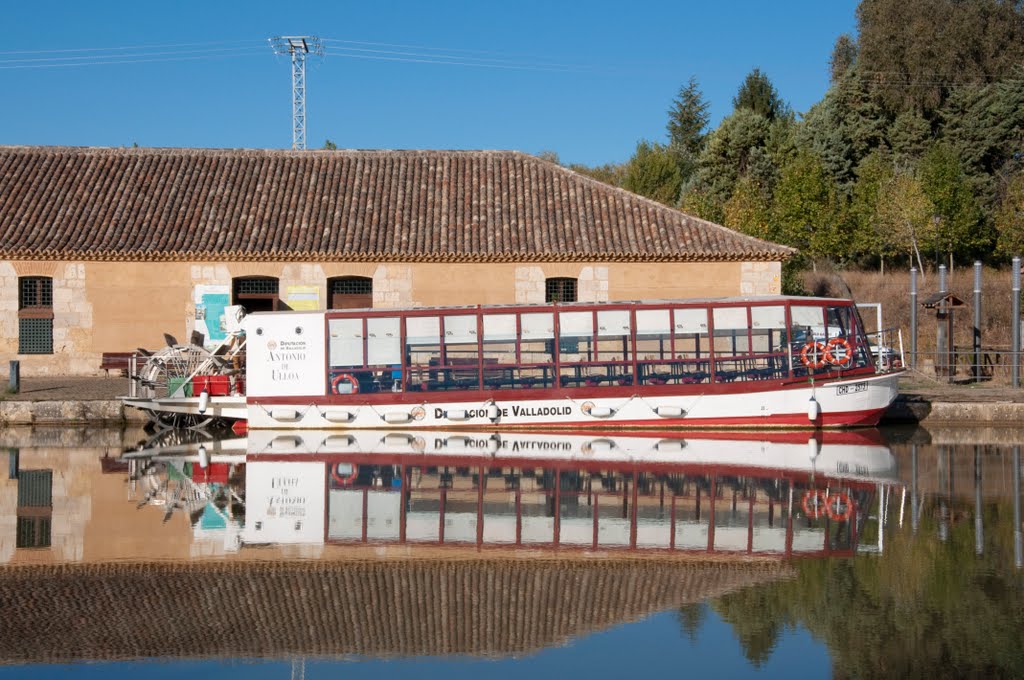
[{"x": 777, "y": 494}]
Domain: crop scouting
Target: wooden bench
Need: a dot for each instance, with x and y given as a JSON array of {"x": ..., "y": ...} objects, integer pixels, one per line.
[{"x": 116, "y": 361}]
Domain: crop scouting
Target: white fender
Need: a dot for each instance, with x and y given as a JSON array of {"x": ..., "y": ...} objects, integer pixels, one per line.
[
  {"x": 813, "y": 410},
  {"x": 204, "y": 401}
]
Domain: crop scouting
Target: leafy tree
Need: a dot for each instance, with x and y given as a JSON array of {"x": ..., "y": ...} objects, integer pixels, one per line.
[
  {"x": 653, "y": 172},
  {"x": 844, "y": 56},
  {"x": 549, "y": 156},
  {"x": 1009, "y": 218},
  {"x": 688, "y": 120},
  {"x": 748, "y": 210},
  {"x": 904, "y": 217},
  {"x": 916, "y": 50},
  {"x": 609, "y": 173},
  {"x": 329, "y": 145},
  {"x": 959, "y": 226},
  {"x": 805, "y": 210},
  {"x": 873, "y": 174},
  {"x": 699, "y": 201}
]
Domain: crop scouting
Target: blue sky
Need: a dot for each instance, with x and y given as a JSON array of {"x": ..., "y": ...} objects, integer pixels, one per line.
[{"x": 584, "y": 79}]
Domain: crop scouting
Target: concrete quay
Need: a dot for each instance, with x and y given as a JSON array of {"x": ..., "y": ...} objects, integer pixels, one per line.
[{"x": 95, "y": 401}]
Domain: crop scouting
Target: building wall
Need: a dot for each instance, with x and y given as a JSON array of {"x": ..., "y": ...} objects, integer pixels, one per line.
[{"x": 119, "y": 306}]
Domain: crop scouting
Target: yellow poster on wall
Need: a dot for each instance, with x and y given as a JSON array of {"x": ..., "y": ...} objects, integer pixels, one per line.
[{"x": 303, "y": 298}]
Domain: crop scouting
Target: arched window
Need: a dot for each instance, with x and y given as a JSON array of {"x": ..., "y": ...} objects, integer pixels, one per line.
[
  {"x": 560, "y": 290},
  {"x": 35, "y": 315},
  {"x": 255, "y": 293},
  {"x": 350, "y": 292}
]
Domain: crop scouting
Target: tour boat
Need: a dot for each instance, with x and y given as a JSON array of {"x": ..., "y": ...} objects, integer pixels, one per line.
[
  {"x": 758, "y": 362},
  {"x": 739, "y": 362}
]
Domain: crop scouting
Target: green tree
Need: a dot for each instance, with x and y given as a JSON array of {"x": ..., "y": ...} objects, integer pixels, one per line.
[
  {"x": 609, "y": 173},
  {"x": 329, "y": 145},
  {"x": 653, "y": 172},
  {"x": 873, "y": 173},
  {"x": 959, "y": 229},
  {"x": 737, "y": 148},
  {"x": 904, "y": 217},
  {"x": 688, "y": 120},
  {"x": 1009, "y": 218},
  {"x": 805, "y": 210},
  {"x": 916, "y": 51},
  {"x": 748, "y": 210},
  {"x": 843, "y": 128},
  {"x": 844, "y": 56},
  {"x": 759, "y": 95},
  {"x": 909, "y": 137}
]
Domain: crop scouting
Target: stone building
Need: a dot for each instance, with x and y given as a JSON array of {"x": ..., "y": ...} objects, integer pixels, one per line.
[{"x": 106, "y": 250}]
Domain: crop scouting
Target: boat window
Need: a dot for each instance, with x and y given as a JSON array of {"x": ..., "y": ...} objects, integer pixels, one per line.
[
  {"x": 575, "y": 334},
  {"x": 536, "y": 346},
  {"x": 422, "y": 348},
  {"x": 614, "y": 340},
  {"x": 732, "y": 344},
  {"x": 769, "y": 342},
  {"x": 346, "y": 342},
  {"x": 806, "y": 322},
  {"x": 501, "y": 370},
  {"x": 383, "y": 342},
  {"x": 460, "y": 357},
  {"x": 846, "y": 335},
  {"x": 691, "y": 346},
  {"x": 654, "y": 346}
]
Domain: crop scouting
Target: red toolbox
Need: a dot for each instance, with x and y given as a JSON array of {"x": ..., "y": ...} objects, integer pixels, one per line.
[{"x": 214, "y": 385}]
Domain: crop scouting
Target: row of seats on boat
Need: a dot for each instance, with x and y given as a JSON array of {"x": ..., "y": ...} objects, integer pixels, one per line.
[{"x": 463, "y": 378}]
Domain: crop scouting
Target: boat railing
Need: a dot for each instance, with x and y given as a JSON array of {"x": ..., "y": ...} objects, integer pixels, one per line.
[{"x": 887, "y": 349}]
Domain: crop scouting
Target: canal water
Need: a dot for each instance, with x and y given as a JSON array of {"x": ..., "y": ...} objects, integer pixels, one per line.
[{"x": 889, "y": 553}]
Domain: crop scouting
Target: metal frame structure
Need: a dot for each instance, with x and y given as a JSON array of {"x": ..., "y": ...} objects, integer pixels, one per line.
[{"x": 297, "y": 47}]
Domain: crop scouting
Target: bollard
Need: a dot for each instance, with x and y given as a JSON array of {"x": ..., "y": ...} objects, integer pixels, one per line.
[
  {"x": 943, "y": 286},
  {"x": 913, "y": 317},
  {"x": 1015, "y": 325},
  {"x": 977, "y": 321},
  {"x": 15, "y": 377}
]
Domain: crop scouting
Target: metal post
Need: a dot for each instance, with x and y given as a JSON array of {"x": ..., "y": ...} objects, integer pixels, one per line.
[
  {"x": 913, "y": 317},
  {"x": 977, "y": 321},
  {"x": 1015, "y": 325},
  {"x": 943, "y": 285},
  {"x": 15, "y": 377},
  {"x": 913, "y": 488},
  {"x": 1018, "y": 542},
  {"x": 979, "y": 528}
]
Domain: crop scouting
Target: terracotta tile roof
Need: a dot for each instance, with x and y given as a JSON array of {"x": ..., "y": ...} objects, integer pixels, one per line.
[
  {"x": 484, "y": 607},
  {"x": 443, "y": 206}
]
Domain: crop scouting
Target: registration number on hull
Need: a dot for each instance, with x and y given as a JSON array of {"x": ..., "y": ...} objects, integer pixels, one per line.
[{"x": 851, "y": 388}]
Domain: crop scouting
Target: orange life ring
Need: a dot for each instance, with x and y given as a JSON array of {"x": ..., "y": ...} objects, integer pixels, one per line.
[
  {"x": 813, "y": 503},
  {"x": 839, "y": 507},
  {"x": 343, "y": 480},
  {"x": 344, "y": 377},
  {"x": 813, "y": 354},
  {"x": 838, "y": 352}
]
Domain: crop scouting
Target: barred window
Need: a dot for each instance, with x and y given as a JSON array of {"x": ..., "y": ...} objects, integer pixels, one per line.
[
  {"x": 352, "y": 285},
  {"x": 256, "y": 286},
  {"x": 560, "y": 290},
  {"x": 35, "y": 315}
]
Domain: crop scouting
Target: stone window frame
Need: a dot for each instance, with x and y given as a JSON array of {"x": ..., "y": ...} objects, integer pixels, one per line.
[{"x": 35, "y": 315}]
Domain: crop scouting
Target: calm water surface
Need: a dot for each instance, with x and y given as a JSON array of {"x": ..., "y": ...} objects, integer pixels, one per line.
[{"x": 284, "y": 555}]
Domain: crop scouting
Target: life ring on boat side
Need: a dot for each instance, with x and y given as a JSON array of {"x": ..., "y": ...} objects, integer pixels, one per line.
[
  {"x": 838, "y": 352},
  {"x": 813, "y": 503},
  {"x": 341, "y": 479},
  {"x": 813, "y": 354},
  {"x": 839, "y": 507},
  {"x": 344, "y": 377}
]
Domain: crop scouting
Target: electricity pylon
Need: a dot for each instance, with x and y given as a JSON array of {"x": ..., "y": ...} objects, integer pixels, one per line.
[{"x": 298, "y": 46}]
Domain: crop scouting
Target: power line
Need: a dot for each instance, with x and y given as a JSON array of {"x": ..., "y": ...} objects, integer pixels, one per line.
[
  {"x": 124, "y": 57},
  {"x": 130, "y": 47}
]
